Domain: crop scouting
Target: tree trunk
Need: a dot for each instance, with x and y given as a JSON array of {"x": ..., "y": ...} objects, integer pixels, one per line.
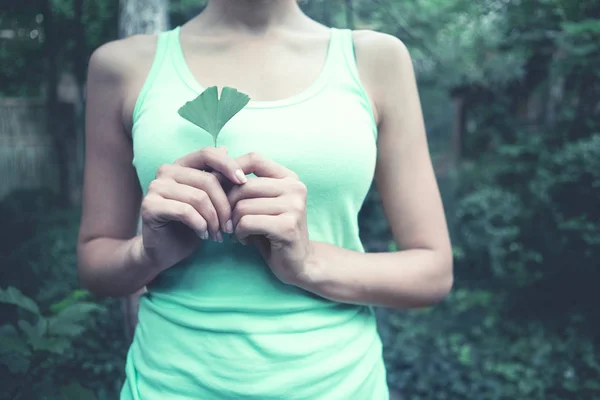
[
  {"x": 459, "y": 128},
  {"x": 140, "y": 17},
  {"x": 326, "y": 12},
  {"x": 79, "y": 70},
  {"x": 53, "y": 116},
  {"x": 143, "y": 16},
  {"x": 350, "y": 14}
]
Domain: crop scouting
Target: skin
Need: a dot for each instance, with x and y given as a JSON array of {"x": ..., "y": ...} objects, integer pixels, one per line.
[{"x": 268, "y": 211}]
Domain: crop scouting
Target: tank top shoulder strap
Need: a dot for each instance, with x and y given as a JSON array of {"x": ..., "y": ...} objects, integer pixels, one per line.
[
  {"x": 342, "y": 55},
  {"x": 346, "y": 76},
  {"x": 158, "y": 63}
]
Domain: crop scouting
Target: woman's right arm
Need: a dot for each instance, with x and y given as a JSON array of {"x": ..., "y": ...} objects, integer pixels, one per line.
[{"x": 111, "y": 260}]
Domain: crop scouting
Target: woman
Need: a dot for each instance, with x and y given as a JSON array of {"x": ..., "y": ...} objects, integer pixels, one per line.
[{"x": 278, "y": 303}]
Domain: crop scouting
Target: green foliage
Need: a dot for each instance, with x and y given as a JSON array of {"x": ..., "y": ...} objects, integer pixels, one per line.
[
  {"x": 470, "y": 347},
  {"x": 569, "y": 189},
  {"x": 24, "y": 350},
  {"x": 525, "y": 208},
  {"x": 530, "y": 217},
  {"x": 73, "y": 337},
  {"x": 211, "y": 112},
  {"x": 454, "y": 43},
  {"x": 522, "y": 322}
]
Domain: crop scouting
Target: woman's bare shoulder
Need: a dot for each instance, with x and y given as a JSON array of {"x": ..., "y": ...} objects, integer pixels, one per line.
[
  {"x": 122, "y": 58},
  {"x": 121, "y": 67},
  {"x": 380, "y": 57}
]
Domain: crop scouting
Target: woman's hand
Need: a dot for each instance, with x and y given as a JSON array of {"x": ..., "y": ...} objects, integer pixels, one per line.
[
  {"x": 271, "y": 211},
  {"x": 185, "y": 203}
]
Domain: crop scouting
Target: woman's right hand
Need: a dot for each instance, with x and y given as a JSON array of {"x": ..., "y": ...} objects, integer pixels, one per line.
[{"x": 185, "y": 203}]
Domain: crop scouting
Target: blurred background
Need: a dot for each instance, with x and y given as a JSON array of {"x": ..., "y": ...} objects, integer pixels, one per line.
[{"x": 511, "y": 96}]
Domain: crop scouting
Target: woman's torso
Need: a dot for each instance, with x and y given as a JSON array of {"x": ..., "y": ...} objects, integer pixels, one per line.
[{"x": 219, "y": 325}]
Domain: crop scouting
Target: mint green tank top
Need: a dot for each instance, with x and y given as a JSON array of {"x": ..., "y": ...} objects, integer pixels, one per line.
[{"x": 219, "y": 325}]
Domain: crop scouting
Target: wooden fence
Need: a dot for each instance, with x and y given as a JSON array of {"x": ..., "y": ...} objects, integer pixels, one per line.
[{"x": 27, "y": 157}]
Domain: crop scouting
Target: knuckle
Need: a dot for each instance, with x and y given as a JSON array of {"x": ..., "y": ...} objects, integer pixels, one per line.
[
  {"x": 150, "y": 207},
  {"x": 186, "y": 211},
  {"x": 288, "y": 225},
  {"x": 146, "y": 209},
  {"x": 255, "y": 157},
  {"x": 163, "y": 170},
  {"x": 198, "y": 197},
  {"x": 211, "y": 180},
  {"x": 241, "y": 208},
  {"x": 243, "y": 223},
  {"x": 154, "y": 186},
  {"x": 299, "y": 187},
  {"x": 209, "y": 153},
  {"x": 207, "y": 150},
  {"x": 297, "y": 204}
]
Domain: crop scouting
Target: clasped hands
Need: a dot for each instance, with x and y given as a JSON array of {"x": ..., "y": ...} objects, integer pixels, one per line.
[{"x": 207, "y": 192}]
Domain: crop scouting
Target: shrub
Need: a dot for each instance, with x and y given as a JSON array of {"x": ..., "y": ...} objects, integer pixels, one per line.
[{"x": 42, "y": 265}]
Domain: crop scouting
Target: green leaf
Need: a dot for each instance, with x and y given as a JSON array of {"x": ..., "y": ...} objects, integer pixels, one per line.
[
  {"x": 41, "y": 326},
  {"x": 68, "y": 321},
  {"x": 76, "y": 312},
  {"x": 74, "y": 297},
  {"x": 67, "y": 330},
  {"x": 52, "y": 345},
  {"x": 13, "y": 344},
  {"x": 32, "y": 333},
  {"x": 14, "y": 296},
  {"x": 15, "y": 362},
  {"x": 211, "y": 113},
  {"x": 75, "y": 391}
]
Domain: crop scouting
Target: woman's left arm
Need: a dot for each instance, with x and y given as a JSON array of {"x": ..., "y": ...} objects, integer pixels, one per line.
[
  {"x": 271, "y": 208},
  {"x": 421, "y": 274}
]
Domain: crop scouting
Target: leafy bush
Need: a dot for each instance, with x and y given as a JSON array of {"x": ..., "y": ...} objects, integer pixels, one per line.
[
  {"x": 470, "y": 347},
  {"x": 569, "y": 189},
  {"x": 30, "y": 351},
  {"x": 42, "y": 264}
]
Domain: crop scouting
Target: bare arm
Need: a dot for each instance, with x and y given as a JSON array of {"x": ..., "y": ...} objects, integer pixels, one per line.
[
  {"x": 110, "y": 256},
  {"x": 112, "y": 259},
  {"x": 420, "y": 274}
]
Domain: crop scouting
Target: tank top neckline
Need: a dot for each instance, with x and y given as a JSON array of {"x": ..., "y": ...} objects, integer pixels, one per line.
[{"x": 315, "y": 87}]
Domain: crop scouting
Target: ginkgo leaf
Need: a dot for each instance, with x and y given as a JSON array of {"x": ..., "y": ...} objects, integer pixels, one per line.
[{"x": 210, "y": 112}]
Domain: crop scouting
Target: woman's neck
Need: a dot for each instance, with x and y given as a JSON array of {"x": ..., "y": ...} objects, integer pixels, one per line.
[{"x": 251, "y": 16}]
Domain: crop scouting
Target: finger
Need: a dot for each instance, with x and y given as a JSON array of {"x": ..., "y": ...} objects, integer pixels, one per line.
[
  {"x": 261, "y": 166},
  {"x": 223, "y": 180},
  {"x": 256, "y": 187},
  {"x": 261, "y": 206},
  {"x": 215, "y": 159},
  {"x": 263, "y": 225},
  {"x": 206, "y": 182},
  {"x": 199, "y": 199},
  {"x": 159, "y": 209}
]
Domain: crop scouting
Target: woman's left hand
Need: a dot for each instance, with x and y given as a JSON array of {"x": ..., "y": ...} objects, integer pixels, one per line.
[{"x": 270, "y": 210}]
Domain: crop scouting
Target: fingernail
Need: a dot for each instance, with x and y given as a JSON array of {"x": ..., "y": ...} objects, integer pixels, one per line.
[
  {"x": 229, "y": 226},
  {"x": 219, "y": 237},
  {"x": 203, "y": 235},
  {"x": 240, "y": 174}
]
